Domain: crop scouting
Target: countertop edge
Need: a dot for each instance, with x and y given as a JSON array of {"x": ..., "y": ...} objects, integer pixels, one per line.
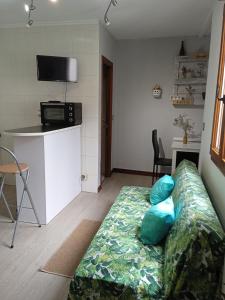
[
  {"x": 36, "y": 134},
  {"x": 189, "y": 146}
]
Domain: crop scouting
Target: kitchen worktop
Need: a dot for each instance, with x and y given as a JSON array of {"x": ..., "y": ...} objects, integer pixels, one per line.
[{"x": 39, "y": 130}]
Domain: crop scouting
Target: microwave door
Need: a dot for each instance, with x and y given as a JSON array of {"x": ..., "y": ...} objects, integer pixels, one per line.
[{"x": 54, "y": 114}]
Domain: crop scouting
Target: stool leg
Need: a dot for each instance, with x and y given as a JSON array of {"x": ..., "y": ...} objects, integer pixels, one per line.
[
  {"x": 30, "y": 197},
  {"x": 1, "y": 186},
  {"x": 4, "y": 199},
  {"x": 7, "y": 206},
  {"x": 17, "y": 219}
]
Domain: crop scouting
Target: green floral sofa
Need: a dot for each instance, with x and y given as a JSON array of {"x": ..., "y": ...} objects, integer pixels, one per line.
[{"x": 186, "y": 265}]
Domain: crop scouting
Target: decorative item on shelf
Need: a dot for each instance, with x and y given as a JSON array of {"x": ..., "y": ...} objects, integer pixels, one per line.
[
  {"x": 183, "y": 122},
  {"x": 189, "y": 73},
  {"x": 185, "y": 138},
  {"x": 200, "y": 72},
  {"x": 200, "y": 55},
  {"x": 182, "y": 49},
  {"x": 183, "y": 72},
  {"x": 190, "y": 92},
  {"x": 203, "y": 96},
  {"x": 157, "y": 91},
  {"x": 178, "y": 100}
]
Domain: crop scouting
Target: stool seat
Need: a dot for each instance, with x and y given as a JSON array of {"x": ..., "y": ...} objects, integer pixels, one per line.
[{"x": 12, "y": 168}]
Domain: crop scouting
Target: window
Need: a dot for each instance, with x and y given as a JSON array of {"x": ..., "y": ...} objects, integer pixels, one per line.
[{"x": 218, "y": 133}]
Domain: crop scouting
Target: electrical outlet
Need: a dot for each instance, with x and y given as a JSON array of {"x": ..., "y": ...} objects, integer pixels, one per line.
[
  {"x": 84, "y": 177},
  {"x": 203, "y": 126}
]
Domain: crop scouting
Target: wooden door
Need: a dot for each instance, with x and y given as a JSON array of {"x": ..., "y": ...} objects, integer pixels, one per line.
[{"x": 106, "y": 117}]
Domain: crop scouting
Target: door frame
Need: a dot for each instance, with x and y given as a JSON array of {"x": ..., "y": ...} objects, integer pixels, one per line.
[{"x": 108, "y": 148}]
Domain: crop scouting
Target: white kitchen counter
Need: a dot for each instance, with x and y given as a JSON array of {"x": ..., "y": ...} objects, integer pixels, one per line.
[
  {"x": 54, "y": 157},
  {"x": 38, "y": 130}
]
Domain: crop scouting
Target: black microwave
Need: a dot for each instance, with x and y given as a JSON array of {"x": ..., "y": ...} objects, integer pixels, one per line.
[{"x": 61, "y": 113}]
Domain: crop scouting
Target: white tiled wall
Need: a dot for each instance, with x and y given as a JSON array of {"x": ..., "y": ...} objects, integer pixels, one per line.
[{"x": 21, "y": 93}]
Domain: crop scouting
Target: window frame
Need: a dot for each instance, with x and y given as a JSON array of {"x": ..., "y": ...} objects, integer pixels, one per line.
[{"x": 218, "y": 155}]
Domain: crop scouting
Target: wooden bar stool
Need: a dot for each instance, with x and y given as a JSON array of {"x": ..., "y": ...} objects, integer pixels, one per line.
[{"x": 21, "y": 169}]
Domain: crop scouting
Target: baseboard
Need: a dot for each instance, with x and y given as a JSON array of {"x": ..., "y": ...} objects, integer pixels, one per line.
[{"x": 133, "y": 172}]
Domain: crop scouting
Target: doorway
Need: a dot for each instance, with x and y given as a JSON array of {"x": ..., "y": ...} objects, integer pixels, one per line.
[{"x": 106, "y": 118}]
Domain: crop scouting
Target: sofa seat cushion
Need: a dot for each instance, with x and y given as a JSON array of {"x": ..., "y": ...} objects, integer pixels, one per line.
[{"x": 117, "y": 264}]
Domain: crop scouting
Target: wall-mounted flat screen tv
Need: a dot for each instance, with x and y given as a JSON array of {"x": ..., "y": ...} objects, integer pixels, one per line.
[{"x": 55, "y": 68}]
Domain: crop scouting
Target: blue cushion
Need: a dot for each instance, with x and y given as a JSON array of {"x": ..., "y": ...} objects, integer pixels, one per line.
[
  {"x": 157, "y": 222},
  {"x": 162, "y": 189}
]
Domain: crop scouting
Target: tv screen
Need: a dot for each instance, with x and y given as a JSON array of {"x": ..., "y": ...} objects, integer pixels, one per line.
[{"x": 53, "y": 68}]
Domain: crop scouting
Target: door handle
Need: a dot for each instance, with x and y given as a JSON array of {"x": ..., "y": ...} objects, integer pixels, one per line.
[
  {"x": 217, "y": 95},
  {"x": 222, "y": 99}
]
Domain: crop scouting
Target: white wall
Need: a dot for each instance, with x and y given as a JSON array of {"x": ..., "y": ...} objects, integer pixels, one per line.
[
  {"x": 21, "y": 93},
  {"x": 108, "y": 46},
  {"x": 141, "y": 65},
  {"x": 213, "y": 178}
]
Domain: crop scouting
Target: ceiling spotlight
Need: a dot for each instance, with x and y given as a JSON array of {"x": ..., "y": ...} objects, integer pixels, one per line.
[
  {"x": 107, "y": 22},
  {"x": 29, "y": 23},
  {"x": 27, "y": 8},
  {"x": 114, "y": 2},
  {"x": 106, "y": 19},
  {"x": 32, "y": 7}
]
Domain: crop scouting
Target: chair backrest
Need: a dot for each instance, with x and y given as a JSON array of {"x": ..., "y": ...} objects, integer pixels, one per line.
[
  {"x": 12, "y": 156},
  {"x": 155, "y": 144}
]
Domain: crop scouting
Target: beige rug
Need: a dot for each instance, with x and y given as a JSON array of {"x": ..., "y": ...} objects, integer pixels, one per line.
[{"x": 67, "y": 258}]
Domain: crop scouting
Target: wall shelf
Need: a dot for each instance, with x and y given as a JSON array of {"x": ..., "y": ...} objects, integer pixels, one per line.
[
  {"x": 188, "y": 59},
  {"x": 190, "y": 81},
  {"x": 188, "y": 105}
]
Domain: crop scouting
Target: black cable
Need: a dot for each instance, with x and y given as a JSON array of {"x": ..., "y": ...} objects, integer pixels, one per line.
[{"x": 65, "y": 91}]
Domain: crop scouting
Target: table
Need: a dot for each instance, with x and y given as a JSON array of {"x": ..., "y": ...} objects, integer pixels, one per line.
[{"x": 182, "y": 151}]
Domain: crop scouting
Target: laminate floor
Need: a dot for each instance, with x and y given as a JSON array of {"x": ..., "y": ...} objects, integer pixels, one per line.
[{"x": 20, "y": 278}]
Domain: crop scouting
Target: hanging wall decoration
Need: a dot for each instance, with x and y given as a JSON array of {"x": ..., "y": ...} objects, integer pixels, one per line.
[{"x": 157, "y": 91}]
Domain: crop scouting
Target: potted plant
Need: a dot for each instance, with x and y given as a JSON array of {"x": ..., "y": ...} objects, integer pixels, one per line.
[{"x": 183, "y": 122}]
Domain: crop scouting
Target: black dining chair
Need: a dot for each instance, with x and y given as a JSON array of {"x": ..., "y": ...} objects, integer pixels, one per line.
[{"x": 158, "y": 161}]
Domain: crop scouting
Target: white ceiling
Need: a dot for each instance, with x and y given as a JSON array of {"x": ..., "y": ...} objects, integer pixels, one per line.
[{"x": 131, "y": 19}]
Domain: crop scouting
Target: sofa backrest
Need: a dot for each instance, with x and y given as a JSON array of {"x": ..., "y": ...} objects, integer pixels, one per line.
[{"x": 195, "y": 246}]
